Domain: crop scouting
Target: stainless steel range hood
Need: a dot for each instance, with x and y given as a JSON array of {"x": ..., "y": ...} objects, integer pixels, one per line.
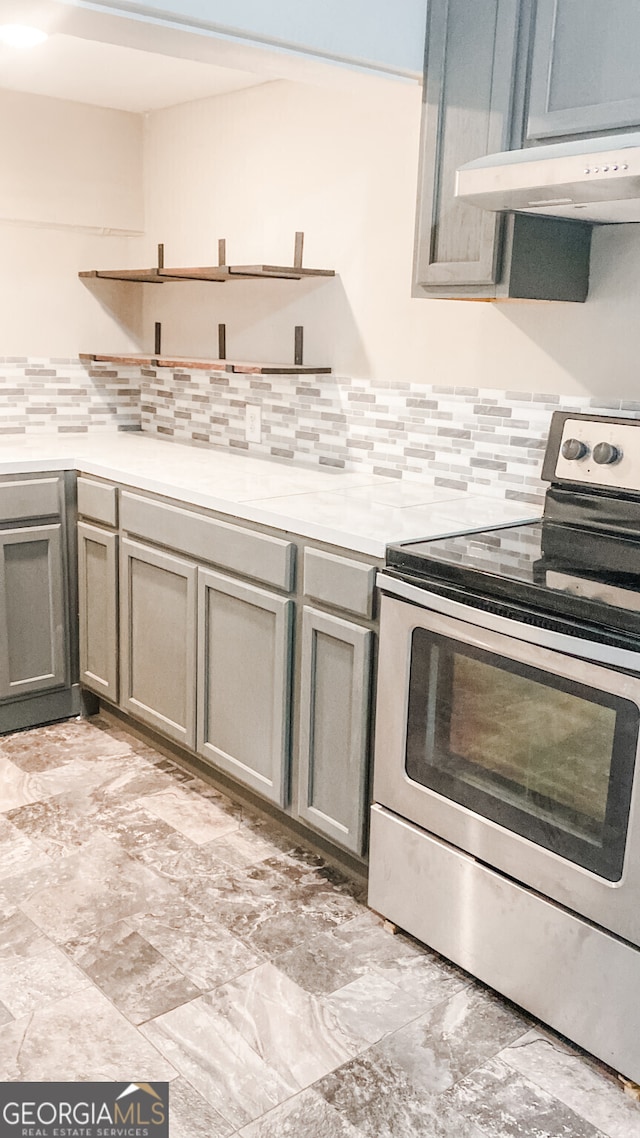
[{"x": 597, "y": 179}]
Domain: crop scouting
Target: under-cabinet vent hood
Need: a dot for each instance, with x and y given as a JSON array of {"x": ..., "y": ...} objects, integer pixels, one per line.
[{"x": 596, "y": 179}]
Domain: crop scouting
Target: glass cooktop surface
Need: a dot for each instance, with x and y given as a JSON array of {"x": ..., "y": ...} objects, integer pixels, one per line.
[{"x": 589, "y": 576}]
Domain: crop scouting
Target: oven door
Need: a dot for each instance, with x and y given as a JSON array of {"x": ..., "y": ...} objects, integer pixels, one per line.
[{"x": 517, "y": 753}]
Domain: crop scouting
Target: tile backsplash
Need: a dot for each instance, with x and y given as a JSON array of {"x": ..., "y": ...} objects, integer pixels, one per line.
[
  {"x": 62, "y": 395},
  {"x": 460, "y": 437}
]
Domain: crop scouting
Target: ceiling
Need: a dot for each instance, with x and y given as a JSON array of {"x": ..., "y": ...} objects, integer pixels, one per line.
[
  {"x": 129, "y": 63},
  {"x": 111, "y": 75}
]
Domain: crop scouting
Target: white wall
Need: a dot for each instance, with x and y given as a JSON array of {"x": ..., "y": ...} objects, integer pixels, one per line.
[
  {"x": 70, "y": 197},
  {"x": 256, "y": 165}
]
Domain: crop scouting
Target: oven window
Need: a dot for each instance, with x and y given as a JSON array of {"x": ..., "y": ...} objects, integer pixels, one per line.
[{"x": 541, "y": 755}]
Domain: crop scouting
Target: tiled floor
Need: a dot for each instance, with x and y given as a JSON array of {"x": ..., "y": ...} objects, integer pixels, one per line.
[{"x": 151, "y": 929}]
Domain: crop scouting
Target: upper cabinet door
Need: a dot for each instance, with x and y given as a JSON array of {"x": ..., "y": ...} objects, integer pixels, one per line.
[
  {"x": 585, "y": 74},
  {"x": 469, "y": 78}
]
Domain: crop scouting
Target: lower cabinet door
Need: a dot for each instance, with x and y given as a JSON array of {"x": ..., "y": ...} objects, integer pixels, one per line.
[
  {"x": 98, "y": 609},
  {"x": 33, "y": 648},
  {"x": 158, "y": 640},
  {"x": 244, "y": 682},
  {"x": 335, "y": 709}
]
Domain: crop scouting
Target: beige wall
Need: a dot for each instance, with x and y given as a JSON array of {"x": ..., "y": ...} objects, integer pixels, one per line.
[
  {"x": 70, "y": 193},
  {"x": 256, "y": 165}
]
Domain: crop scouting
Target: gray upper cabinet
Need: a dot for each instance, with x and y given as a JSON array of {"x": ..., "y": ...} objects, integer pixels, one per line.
[
  {"x": 244, "y": 682},
  {"x": 469, "y": 73},
  {"x": 585, "y": 76},
  {"x": 33, "y": 642},
  {"x": 158, "y": 640},
  {"x": 476, "y": 68},
  {"x": 335, "y": 715}
]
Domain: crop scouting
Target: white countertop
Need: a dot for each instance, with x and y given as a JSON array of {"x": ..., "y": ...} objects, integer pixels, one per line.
[{"x": 360, "y": 512}]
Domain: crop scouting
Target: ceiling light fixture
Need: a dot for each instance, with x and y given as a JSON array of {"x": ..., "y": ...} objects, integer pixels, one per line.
[{"x": 21, "y": 35}]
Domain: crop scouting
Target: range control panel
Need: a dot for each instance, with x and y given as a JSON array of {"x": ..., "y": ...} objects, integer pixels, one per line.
[{"x": 599, "y": 452}]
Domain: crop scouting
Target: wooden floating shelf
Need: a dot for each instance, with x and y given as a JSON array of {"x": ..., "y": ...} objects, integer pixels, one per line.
[
  {"x": 198, "y": 363},
  {"x": 217, "y": 273},
  {"x": 120, "y": 358}
]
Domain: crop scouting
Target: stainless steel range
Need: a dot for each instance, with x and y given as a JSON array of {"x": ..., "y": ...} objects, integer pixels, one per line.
[{"x": 506, "y": 827}]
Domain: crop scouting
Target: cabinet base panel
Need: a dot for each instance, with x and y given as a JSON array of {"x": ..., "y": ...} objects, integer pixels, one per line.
[
  {"x": 40, "y": 709},
  {"x": 572, "y": 975}
]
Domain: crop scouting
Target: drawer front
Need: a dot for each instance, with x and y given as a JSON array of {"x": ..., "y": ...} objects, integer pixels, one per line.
[
  {"x": 338, "y": 581},
  {"x": 31, "y": 498},
  {"x": 98, "y": 501},
  {"x": 268, "y": 559}
]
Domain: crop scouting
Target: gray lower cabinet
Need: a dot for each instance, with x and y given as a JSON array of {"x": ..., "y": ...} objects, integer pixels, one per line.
[
  {"x": 247, "y": 674},
  {"x": 33, "y": 642},
  {"x": 244, "y": 682},
  {"x": 584, "y": 74},
  {"x": 335, "y": 714},
  {"x": 158, "y": 640},
  {"x": 98, "y": 609}
]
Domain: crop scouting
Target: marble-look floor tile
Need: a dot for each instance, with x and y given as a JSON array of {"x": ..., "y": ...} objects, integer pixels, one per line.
[
  {"x": 241, "y": 848},
  {"x": 413, "y": 1065},
  {"x": 93, "y": 888},
  {"x": 51, "y": 746},
  {"x": 569, "y": 1076},
  {"x": 138, "y": 979},
  {"x": 95, "y": 782},
  {"x": 360, "y": 947},
  {"x": 164, "y": 903},
  {"x": 199, "y": 819},
  {"x": 80, "y": 1038},
  {"x": 139, "y": 832},
  {"x": 452, "y": 1038},
  {"x": 20, "y": 937},
  {"x": 197, "y": 945},
  {"x": 402, "y": 960},
  {"x": 16, "y": 851},
  {"x": 290, "y": 1029},
  {"x": 379, "y": 1100},
  {"x": 322, "y": 964},
  {"x": 190, "y": 868},
  {"x": 53, "y": 826},
  {"x": 214, "y": 1058},
  {"x": 306, "y": 1115},
  {"x": 504, "y": 1104},
  {"x": 30, "y": 982},
  {"x": 372, "y": 1006},
  {"x": 17, "y": 787},
  {"x": 190, "y": 1116},
  {"x": 277, "y": 903}
]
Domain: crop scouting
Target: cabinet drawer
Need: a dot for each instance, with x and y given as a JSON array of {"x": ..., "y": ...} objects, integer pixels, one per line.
[
  {"x": 268, "y": 559},
  {"x": 339, "y": 581},
  {"x": 98, "y": 501},
  {"x": 31, "y": 498}
]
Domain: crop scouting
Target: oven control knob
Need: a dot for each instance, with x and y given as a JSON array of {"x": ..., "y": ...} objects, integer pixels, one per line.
[
  {"x": 605, "y": 453},
  {"x": 573, "y": 449}
]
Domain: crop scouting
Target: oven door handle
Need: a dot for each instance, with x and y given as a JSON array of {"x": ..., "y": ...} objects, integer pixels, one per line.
[{"x": 542, "y": 637}]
